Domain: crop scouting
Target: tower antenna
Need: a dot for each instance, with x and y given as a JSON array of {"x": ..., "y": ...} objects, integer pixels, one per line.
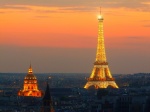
[
  {"x": 30, "y": 64},
  {"x": 100, "y": 10}
]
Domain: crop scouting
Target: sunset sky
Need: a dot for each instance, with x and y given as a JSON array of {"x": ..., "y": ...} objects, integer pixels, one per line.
[{"x": 61, "y": 35}]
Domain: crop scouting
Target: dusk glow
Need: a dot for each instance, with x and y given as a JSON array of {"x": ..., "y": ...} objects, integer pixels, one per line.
[{"x": 63, "y": 31}]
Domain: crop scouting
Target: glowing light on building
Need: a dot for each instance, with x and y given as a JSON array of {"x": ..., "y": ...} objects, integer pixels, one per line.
[
  {"x": 30, "y": 86},
  {"x": 100, "y": 76}
]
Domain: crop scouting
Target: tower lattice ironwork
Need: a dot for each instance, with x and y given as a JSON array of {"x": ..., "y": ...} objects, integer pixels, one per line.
[{"x": 101, "y": 76}]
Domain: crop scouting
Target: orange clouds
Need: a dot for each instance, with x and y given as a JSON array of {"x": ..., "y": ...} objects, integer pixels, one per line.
[{"x": 63, "y": 27}]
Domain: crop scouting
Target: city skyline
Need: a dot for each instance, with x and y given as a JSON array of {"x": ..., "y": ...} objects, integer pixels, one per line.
[{"x": 62, "y": 36}]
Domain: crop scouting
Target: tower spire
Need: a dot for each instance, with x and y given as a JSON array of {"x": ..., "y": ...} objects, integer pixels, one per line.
[
  {"x": 30, "y": 71},
  {"x": 100, "y": 10},
  {"x": 47, "y": 101},
  {"x": 100, "y": 55}
]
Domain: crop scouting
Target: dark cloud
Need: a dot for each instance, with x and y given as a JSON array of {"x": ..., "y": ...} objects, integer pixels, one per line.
[
  {"x": 148, "y": 25},
  {"x": 41, "y": 16},
  {"x": 2, "y": 12},
  {"x": 19, "y": 7},
  {"x": 115, "y": 14},
  {"x": 146, "y": 20},
  {"x": 139, "y": 5},
  {"x": 83, "y": 9},
  {"x": 66, "y": 9},
  {"x": 135, "y": 37},
  {"x": 45, "y": 2},
  {"x": 47, "y": 11}
]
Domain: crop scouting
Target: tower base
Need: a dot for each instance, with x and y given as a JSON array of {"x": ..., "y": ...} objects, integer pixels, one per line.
[{"x": 101, "y": 84}]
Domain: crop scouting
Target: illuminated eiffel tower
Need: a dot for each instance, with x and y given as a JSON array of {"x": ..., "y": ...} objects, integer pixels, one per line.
[{"x": 100, "y": 76}]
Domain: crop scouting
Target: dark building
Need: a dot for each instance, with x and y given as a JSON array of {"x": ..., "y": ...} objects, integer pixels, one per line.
[{"x": 47, "y": 101}]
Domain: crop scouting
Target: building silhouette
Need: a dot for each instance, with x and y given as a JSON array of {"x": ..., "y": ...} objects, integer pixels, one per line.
[{"x": 47, "y": 101}]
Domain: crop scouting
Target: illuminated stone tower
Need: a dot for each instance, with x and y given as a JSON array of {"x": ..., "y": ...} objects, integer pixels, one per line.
[
  {"x": 30, "y": 87},
  {"x": 100, "y": 76}
]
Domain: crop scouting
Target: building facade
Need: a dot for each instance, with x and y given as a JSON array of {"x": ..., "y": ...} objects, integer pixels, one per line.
[{"x": 30, "y": 86}]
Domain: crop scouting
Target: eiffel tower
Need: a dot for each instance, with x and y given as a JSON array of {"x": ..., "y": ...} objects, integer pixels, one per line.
[{"x": 100, "y": 76}]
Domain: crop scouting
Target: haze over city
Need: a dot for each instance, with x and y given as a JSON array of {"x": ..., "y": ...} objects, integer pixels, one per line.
[{"x": 61, "y": 36}]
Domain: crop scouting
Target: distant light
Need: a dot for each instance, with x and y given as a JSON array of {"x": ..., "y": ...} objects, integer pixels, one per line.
[{"x": 100, "y": 17}]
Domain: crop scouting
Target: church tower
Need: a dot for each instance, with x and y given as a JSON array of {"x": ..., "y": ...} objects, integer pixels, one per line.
[
  {"x": 30, "y": 86},
  {"x": 47, "y": 101},
  {"x": 101, "y": 76}
]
